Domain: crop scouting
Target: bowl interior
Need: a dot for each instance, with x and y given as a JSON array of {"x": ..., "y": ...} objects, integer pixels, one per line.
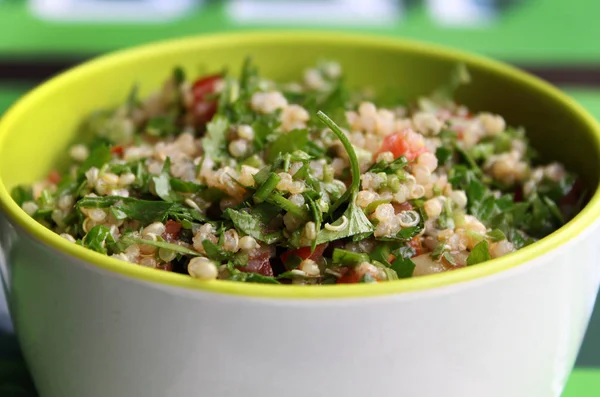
[{"x": 34, "y": 136}]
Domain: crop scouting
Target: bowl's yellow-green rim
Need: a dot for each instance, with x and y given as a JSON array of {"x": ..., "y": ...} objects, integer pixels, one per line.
[{"x": 576, "y": 226}]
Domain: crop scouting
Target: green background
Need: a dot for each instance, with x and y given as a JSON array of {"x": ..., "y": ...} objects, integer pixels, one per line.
[{"x": 528, "y": 31}]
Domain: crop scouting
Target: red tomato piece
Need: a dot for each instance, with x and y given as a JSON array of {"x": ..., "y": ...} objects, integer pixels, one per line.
[
  {"x": 405, "y": 143},
  {"x": 259, "y": 263},
  {"x": 406, "y": 206},
  {"x": 172, "y": 229},
  {"x": 204, "y": 106},
  {"x": 118, "y": 149},
  {"x": 54, "y": 177},
  {"x": 167, "y": 267},
  {"x": 416, "y": 244},
  {"x": 349, "y": 276},
  {"x": 305, "y": 253}
]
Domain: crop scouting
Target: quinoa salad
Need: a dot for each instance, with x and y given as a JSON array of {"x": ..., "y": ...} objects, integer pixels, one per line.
[{"x": 232, "y": 176}]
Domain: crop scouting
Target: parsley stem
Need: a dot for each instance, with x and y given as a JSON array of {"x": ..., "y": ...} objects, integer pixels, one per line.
[
  {"x": 267, "y": 187},
  {"x": 287, "y": 205},
  {"x": 162, "y": 244},
  {"x": 354, "y": 166}
]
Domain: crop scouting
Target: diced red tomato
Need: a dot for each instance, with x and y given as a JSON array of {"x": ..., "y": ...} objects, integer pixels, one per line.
[
  {"x": 406, "y": 206},
  {"x": 416, "y": 244},
  {"x": 259, "y": 263},
  {"x": 305, "y": 253},
  {"x": 118, "y": 150},
  {"x": 349, "y": 276},
  {"x": 406, "y": 143},
  {"x": 172, "y": 229},
  {"x": 54, "y": 177},
  {"x": 204, "y": 107},
  {"x": 168, "y": 267}
]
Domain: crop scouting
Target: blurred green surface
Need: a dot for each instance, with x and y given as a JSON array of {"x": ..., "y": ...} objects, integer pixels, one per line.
[
  {"x": 583, "y": 383},
  {"x": 10, "y": 93},
  {"x": 527, "y": 31}
]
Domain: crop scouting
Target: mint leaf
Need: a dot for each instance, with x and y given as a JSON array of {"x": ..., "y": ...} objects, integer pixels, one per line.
[
  {"x": 97, "y": 239},
  {"x": 145, "y": 211},
  {"x": 21, "y": 194},
  {"x": 162, "y": 184},
  {"x": 355, "y": 224},
  {"x": 381, "y": 253},
  {"x": 479, "y": 253},
  {"x": 262, "y": 130},
  {"x": 215, "y": 140},
  {"x": 214, "y": 252},
  {"x": 252, "y": 225},
  {"x": 287, "y": 143},
  {"x": 404, "y": 267},
  {"x": 99, "y": 156},
  {"x": 186, "y": 187},
  {"x": 443, "y": 155},
  {"x": 496, "y": 235}
]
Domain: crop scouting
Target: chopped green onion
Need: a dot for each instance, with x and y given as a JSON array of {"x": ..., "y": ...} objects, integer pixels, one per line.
[
  {"x": 348, "y": 258},
  {"x": 266, "y": 188}
]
